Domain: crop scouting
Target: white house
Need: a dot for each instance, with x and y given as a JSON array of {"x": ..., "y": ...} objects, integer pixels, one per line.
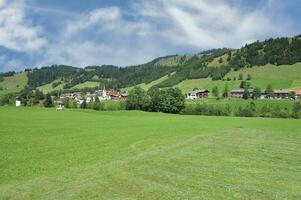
[
  {"x": 18, "y": 103},
  {"x": 197, "y": 94}
]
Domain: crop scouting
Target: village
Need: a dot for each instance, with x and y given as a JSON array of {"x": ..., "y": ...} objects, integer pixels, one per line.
[
  {"x": 101, "y": 95},
  {"x": 104, "y": 95}
]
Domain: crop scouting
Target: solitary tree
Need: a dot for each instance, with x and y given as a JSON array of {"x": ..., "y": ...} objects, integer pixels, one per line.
[
  {"x": 215, "y": 92},
  {"x": 240, "y": 76},
  {"x": 244, "y": 84},
  {"x": 269, "y": 91},
  {"x": 48, "y": 101},
  {"x": 220, "y": 60},
  {"x": 256, "y": 93},
  {"x": 246, "y": 94},
  {"x": 226, "y": 91}
]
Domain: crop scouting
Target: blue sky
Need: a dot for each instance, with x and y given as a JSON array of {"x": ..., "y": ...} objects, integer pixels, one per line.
[{"x": 36, "y": 33}]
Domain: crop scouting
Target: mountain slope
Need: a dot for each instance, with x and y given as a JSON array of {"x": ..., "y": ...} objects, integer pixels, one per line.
[
  {"x": 207, "y": 67},
  {"x": 14, "y": 83}
]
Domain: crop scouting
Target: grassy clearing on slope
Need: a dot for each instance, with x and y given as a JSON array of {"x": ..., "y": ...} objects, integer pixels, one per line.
[
  {"x": 149, "y": 85},
  {"x": 137, "y": 155},
  {"x": 279, "y": 76},
  {"x": 288, "y": 77},
  {"x": 206, "y": 83},
  {"x": 173, "y": 61},
  {"x": 215, "y": 62},
  {"x": 87, "y": 84},
  {"x": 13, "y": 83},
  {"x": 48, "y": 87}
]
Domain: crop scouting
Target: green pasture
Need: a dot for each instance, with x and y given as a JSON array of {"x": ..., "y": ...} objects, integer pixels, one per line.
[
  {"x": 13, "y": 83},
  {"x": 85, "y": 154}
]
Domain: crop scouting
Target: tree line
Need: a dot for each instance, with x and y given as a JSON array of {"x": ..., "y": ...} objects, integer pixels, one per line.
[{"x": 251, "y": 110}]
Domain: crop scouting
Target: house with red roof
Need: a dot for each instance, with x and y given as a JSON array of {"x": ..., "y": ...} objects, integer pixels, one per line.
[{"x": 297, "y": 93}]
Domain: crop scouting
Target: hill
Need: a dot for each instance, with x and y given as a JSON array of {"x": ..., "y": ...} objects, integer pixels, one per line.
[
  {"x": 283, "y": 76},
  {"x": 14, "y": 83},
  {"x": 265, "y": 61}
]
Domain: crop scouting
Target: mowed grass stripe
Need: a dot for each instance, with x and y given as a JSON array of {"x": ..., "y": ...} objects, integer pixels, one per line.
[{"x": 157, "y": 156}]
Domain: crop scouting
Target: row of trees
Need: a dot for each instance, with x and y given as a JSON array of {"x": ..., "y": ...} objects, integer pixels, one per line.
[
  {"x": 251, "y": 110},
  {"x": 155, "y": 100}
]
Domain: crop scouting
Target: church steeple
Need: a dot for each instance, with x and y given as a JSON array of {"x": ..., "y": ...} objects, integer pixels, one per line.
[{"x": 104, "y": 92}]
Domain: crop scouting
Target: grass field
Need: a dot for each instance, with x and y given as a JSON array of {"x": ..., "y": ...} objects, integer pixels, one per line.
[
  {"x": 81, "y": 154},
  {"x": 13, "y": 83}
]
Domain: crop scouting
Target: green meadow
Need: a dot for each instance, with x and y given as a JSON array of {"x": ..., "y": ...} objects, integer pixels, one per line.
[
  {"x": 280, "y": 77},
  {"x": 13, "y": 83},
  {"x": 85, "y": 154}
]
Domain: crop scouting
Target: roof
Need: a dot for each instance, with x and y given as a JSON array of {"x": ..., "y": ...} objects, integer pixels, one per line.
[
  {"x": 297, "y": 92},
  {"x": 198, "y": 91},
  {"x": 240, "y": 90},
  {"x": 281, "y": 91}
]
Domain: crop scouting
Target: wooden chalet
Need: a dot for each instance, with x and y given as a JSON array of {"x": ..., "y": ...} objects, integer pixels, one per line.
[
  {"x": 237, "y": 93},
  {"x": 281, "y": 94}
]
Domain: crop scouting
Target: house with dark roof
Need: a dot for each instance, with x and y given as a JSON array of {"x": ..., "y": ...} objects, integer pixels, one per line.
[
  {"x": 281, "y": 94},
  {"x": 238, "y": 93}
]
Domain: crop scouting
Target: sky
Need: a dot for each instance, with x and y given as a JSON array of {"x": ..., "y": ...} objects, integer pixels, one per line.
[{"x": 35, "y": 33}]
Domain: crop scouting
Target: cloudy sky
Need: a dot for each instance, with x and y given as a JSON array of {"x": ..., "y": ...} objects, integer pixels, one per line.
[{"x": 37, "y": 33}]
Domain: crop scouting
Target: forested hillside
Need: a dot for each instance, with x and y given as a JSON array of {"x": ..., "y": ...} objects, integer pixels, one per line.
[{"x": 213, "y": 64}]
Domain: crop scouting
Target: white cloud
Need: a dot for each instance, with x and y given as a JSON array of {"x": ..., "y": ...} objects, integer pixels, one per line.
[
  {"x": 210, "y": 24},
  {"x": 95, "y": 17},
  {"x": 112, "y": 35},
  {"x": 15, "y": 31}
]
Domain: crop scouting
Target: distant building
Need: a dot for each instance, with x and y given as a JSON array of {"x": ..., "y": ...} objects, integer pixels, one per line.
[
  {"x": 197, "y": 94},
  {"x": 297, "y": 94},
  {"x": 237, "y": 93},
  {"x": 281, "y": 94},
  {"x": 18, "y": 102},
  {"x": 102, "y": 94},
  {"x": 60, "y": 105}
]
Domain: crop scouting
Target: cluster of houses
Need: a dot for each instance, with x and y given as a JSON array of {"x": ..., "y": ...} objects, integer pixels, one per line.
[
  {"x": 101, "y": 95},
  {"x": 239, "y": 93}
]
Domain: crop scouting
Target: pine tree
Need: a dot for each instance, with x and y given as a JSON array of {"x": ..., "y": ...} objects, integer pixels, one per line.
[
  {"x": 48, "y": 101},
  {"x": 269, "y": 91},
  {"x": 226, "y": 91}
]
